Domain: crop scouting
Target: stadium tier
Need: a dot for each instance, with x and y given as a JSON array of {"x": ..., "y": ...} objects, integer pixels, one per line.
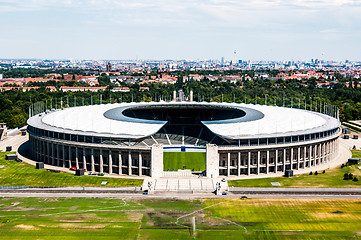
[{"x": 231, "y": 139}]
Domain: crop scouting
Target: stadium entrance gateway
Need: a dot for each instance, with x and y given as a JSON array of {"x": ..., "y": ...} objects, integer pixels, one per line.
[
  {"x": 175, "y": 168},
  {"x": 189, "y": 158},
  {"x": 184, "y": 161}
]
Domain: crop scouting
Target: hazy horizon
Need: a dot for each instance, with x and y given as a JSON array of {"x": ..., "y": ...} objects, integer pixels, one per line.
[{"x": 271, "y": 30}]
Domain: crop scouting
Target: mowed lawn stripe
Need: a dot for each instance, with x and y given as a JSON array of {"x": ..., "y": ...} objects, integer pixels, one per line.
[
  {"x": 190, "y": 160},
  {"x": 23, "y": 174}
]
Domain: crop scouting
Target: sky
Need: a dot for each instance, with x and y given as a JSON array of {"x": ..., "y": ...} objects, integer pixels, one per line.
[{"x": 181, "y": 29}]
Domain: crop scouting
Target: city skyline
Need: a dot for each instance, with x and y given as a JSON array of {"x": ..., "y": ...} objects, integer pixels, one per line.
[{"x": 197, "y": 30}]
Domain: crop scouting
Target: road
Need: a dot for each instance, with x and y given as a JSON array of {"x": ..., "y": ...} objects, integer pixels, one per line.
[
  {"x": 172, "y": 195},
  {"x": 132, "y": 192}
]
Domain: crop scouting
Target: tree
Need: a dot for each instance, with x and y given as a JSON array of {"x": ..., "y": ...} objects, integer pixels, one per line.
[
  {"x": 17, "y": 121},
  {"x": 350, "y": 176}
]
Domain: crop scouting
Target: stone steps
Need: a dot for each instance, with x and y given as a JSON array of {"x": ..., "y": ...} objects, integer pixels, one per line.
[{"x": 183, "y": 184}]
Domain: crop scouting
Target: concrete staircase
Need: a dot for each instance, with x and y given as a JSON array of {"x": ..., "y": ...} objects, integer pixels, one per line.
[{"x": 183, "y": 184}]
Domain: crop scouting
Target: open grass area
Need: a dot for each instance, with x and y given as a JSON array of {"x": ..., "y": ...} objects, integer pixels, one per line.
[
  {"x": 92, "y": 218},
  {"x": 356, "y": 153},
  {"x": 184, "y": 160},
  {"x": 22, "y": 174},
  {"x": 331, "y": 178}
]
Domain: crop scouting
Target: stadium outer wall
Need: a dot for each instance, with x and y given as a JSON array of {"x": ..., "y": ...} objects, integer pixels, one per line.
[{"x": 139, "y": 161}]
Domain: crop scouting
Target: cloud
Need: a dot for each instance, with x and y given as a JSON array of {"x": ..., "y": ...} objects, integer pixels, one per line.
[{"x": 172, "y": 5}]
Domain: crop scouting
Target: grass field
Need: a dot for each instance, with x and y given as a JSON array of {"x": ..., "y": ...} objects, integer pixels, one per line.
[
  {"x": 84, "y": 218},
  {"x": 356, "y": 153},
  {"x": 189, "y": 160},
  {"x": 22, "y": 174},
  {"x": 332, "y": 178}
]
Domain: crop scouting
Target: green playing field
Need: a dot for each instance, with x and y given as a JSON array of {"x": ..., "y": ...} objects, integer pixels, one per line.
[{"x": 184, "y": 160}]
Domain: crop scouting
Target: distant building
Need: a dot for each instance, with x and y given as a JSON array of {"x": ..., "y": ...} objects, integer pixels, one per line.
[
  {"x": 50, "y": 88},
  {"x": 121, "y": 89},
  {"x": 82, "y": 89},
  {"x": 109, "y": 67},
  {"x": 1, "y": 76}
]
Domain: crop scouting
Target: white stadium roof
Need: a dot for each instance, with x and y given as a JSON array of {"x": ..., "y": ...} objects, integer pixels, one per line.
[{"x": 277, "y": 121}]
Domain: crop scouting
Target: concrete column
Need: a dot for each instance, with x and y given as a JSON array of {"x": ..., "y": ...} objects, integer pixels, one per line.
[
  {"x": 84, "y": 159},
  {"x": 304, "y": 156},
  {"x": 110, "y": 164},
  {"x": 258, "y": 161},
  {"x": 39, "y": 150},
  {"x": 291, "y": 158},
  {"x": 129, "y": 163},
  {"x": 284, "y": 160},
  {"x": 57, "y": 156},
  {"x": 156, "y": 169},
  {"x": 101, "y": 163},
  {"x": 267, "y": 162},
  {"x": 48, "y": 155},
  {"x": 36, "y": 150},
  {"x": 276, "y": 161},
  {"x": 64, "y": 159},
  {"x": 298, "y": 157},
  {"x": 310, "y": 157},
  {"x": 44, "y": 156},
  {"x": 69, "y": 156},
  {"x": 120, "y": 163},
  {"x": 239, "y": 164},
  {"x": 315, "y": 155},
  {"x": 76, "y": 158},
  {"x": 322, "y": 160},
  {"x": 42, "y": 151},
  {"x": 41, "y": 147},
  {"x": 52, "y": 154},
  {"x": 92, "y": 160},
  {"x": 328, "y": 151},
  {"x": 228, "y": 163},
  {"x": 140, "y": 163},
  {"x": 249, "y": 164}
]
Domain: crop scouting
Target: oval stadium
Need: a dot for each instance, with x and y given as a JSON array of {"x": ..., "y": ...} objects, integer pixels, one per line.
[{"x": 170, "y": 139}]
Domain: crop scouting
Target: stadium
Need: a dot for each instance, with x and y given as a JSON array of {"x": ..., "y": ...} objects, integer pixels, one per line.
[{"x": 176, "y": 139}]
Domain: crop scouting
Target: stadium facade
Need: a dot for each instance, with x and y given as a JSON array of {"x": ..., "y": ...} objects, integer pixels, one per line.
[{"x": 130, "y": 139}]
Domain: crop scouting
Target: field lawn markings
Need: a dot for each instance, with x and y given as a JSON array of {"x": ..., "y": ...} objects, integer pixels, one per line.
[
  {"x": 270, "y": 230},
  {"x": 227, "y": 220},
  {"x": 200, "y": 210},
  {"x": 81, "y": 211},
  {"x": 189, "y": 214}
]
